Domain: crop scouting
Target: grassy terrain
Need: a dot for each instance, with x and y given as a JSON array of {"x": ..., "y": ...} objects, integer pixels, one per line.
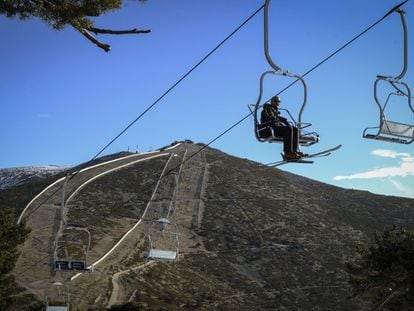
[
  {"x": 273, "y": 240},
  {"x": 122, "y": 194},
  {"x": 252, "y": 237}
]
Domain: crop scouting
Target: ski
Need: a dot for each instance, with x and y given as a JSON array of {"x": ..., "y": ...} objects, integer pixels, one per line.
[{"x": 323, "y": 153}]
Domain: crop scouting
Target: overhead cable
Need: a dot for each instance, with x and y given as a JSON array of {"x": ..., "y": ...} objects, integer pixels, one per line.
[{"x": 178, "y": 82}]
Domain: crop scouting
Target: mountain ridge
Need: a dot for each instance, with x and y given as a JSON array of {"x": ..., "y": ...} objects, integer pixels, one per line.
[
  {"x": 14, "y": 176},
  {"x": 251, "y": 237}
]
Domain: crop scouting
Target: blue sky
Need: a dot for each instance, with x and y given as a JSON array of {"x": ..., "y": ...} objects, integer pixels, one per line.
[{"x": 63, "y": 99}]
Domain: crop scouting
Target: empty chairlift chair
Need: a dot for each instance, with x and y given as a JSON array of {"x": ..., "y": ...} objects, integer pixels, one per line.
[
  {"x": 58, "y": 295},
  {"x": 163, "y": 240},
  {"x": 71, "y": 254},
  {"x": 387, "y": 130},
  {"x": 392, "y": 131}
]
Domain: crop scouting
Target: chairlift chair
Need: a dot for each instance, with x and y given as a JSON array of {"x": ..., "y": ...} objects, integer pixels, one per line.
[
  {"x": 163, "y": 240},
  {"x": 391, "y": 131},
  {"x": 59, "y": 295},
  {"x": 70, "y": 262},
  {"x": 387, "y": 130},
  {"x": 263, "y": 132}
]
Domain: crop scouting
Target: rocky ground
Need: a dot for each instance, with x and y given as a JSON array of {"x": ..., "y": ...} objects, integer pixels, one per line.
[{"x": 250, "y": 237}]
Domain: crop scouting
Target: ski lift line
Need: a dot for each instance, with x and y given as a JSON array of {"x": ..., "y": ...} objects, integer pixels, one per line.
[
  {"x": 174, "y": 198},
  {"x": 310, "y": 70},
  {"x": 395, "y": 8},
  {"x": 288, "y": 86},
  {"x": 31, "y": 266},
  {"x": 61, "y": 179},
  {"x": 62, "y": 221},
  {"x": 133, "y": 227},
  {"x": 210, "y": 142},
  {"x": 110, "y": 161},
  {"x": 178, "y": 81},
  {"x": 37, "y": 196},
  {"x": 163, "y": 173},
  {"x": 62, "y": 205},
  {"x": 280, "y": 92},
  {"x": 110, "y": 171},
  {"x": 344, "y": 46}
]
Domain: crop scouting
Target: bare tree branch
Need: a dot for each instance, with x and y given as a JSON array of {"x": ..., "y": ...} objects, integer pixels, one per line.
[
  {"x": 104, "y": 46},
  {"x": 86, "y": 33},
  {"x": 117, "y": 32}
]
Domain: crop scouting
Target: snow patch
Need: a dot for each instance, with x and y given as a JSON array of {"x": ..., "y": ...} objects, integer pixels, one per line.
[{"x": 14, "y": 176}]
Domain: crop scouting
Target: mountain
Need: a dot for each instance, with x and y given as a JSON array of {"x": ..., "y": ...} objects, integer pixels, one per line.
[
  {"x": 10, "y": 177},
  {"x": 250, "y": 237}
]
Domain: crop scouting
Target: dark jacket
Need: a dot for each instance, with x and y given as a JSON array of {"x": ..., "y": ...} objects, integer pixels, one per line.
[{"x": 270, "y": 116}]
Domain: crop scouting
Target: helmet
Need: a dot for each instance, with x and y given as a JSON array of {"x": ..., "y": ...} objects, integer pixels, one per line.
[{"x": 276, "y": 99}]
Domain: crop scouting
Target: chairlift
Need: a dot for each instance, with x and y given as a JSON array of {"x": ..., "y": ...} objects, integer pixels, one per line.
[
  {"x": 387, "y": 130},
  {"x": 392, "y": 131},
  {"x": 262, "y": 131},
  {"x": 73, "y": 261},
  {"x": 163, "y": 240},
  {"x": 59, "y": 296}
]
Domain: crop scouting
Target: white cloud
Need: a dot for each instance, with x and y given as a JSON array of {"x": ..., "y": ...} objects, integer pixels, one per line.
[
  {"x": 406, "y": 167},
  {"x": 390, "y": 154}
]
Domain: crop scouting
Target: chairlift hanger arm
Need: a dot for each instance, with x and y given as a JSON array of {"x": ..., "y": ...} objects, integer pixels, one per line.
[
  {"x": 405, "y": 45},
  {"x": 279, "y": 70},
  {"x": 404, "y": 24},
  {"x": 395, "y": 8},
  {"x": 266, "y": 37}
]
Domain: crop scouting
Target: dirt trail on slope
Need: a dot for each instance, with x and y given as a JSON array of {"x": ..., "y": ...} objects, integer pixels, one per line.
[
  {"x": 187, "y": 210},
  {"x": 180, "y": 196},
  {"x": 34, "y": 266}
]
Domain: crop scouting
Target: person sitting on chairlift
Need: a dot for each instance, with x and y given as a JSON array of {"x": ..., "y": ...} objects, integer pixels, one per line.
[{"x": 270, "y": 117}]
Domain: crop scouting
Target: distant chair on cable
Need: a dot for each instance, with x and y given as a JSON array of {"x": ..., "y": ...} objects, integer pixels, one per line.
[
  {"x": 163, "y": 240},
  {"x": 71, "y": 254},
  {"x": 72, "y": 246},
  {"x": 59, "y": 299}
]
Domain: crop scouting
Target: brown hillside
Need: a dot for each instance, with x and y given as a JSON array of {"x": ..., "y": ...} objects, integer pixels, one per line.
[{"x": 251, "y": 237}]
